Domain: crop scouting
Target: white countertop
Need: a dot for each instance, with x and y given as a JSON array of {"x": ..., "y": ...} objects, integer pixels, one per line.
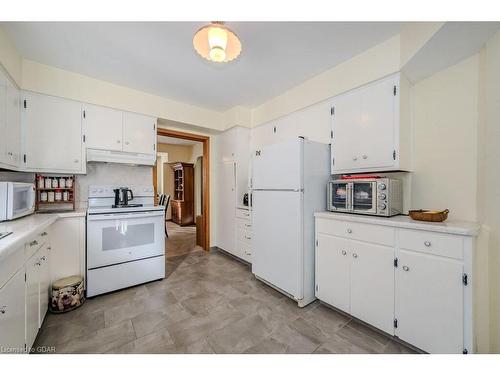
[
  {"x": 24, "y": 228},
  {"x": 464, "y": 228}
]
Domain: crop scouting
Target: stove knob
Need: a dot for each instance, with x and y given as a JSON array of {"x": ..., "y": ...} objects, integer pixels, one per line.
[
  {"x": 382, "y": 196},
  {"x": 381, "y": 186},
  {"x": 382, "y": 206}
]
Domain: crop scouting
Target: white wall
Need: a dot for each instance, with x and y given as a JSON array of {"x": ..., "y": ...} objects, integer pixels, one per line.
[{"x": 445, "y": 121}]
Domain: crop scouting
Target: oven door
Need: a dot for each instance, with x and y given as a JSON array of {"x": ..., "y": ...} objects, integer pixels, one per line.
[
  {"x": 339, "y": 197},
  {"x": 364, "y": 197},
  {"x": 20, "y": 200},
  {"x": 124, "y": 237}
]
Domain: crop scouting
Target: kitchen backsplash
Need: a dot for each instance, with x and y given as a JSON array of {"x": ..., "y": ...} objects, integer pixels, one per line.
[{"x": 110, "y": 174}]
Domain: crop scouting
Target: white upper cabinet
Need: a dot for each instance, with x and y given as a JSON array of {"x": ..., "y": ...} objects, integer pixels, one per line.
[
  {"x": 139, "y": 133},
  {"x": 103, "y": 127},
  {"x": 9, "y": 123},
  {"x": 370, "y": 128},
  {"x": 52, "y": 134}
]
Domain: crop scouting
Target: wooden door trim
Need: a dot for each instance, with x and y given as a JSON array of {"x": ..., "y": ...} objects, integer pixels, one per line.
[{"x": 205, "y": 140}]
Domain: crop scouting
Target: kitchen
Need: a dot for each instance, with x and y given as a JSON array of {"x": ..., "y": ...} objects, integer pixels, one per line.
[{"x": 309, "y": 185}]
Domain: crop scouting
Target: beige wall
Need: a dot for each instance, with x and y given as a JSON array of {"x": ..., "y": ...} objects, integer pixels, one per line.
[
  {"x": 176, "y": 153},
  {"x": 489, "y": 175},
  {"x": 10, "y": 58}
]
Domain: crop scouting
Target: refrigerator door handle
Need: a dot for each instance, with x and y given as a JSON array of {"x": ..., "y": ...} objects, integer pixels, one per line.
[{"x": 350, "y": 204}]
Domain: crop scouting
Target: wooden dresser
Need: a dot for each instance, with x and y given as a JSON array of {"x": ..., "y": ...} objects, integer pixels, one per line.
[{"x": 183, "y": 199}]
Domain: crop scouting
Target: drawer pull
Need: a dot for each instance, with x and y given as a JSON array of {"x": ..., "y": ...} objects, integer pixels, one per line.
[
  {"x": 427, "y": 243},
  {"x": 246, "y": 214},
  {"x": 344, "y": 252},
  {"x": 38, "y": 263},
  {"x": 34, "y": 243},
  {"x": 349, "y": 230},
  {"x": 354, "y": 255},
  {"x": 406, "y": 268},
  {"x": 43, "y": 258},
  {"x": 248, "y": 238},
  {"x": 3, "y": 309},
  {"x": 43, "y": 234},
  {"x": 248, "y": 225}
]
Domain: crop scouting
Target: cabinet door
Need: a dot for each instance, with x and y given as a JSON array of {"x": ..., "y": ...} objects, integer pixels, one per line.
[
  {"x": 44, "y": 283},
  {"x": 13, "y": 123},
  {"x": 32, "y": 299},
  {"x": 139, "y": 133},
  {"x": 345, "y": 128},
  {"x": 429, "y": 302},
  {"x": 103, "y": 128},
  {"x": 52, "y": 130},
  {"x": 3, "y": 117},
  {"x": 333, "y": 263},
  {"x": 372, "y": 284},
  {"x": 12, "y": 313},
  {"x": 376, "y": 130},
  {"x": 226, "y": 234}
]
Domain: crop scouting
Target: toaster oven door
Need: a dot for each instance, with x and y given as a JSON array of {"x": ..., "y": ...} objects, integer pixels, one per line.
[
  {"x": 339, "y": 196},
  {"x": 364, "y": 197}
]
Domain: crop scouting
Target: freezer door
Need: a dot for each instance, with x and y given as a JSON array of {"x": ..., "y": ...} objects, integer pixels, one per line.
[
  {"x": 277, "y": 239},
  {"x": 279, "y": 166}
]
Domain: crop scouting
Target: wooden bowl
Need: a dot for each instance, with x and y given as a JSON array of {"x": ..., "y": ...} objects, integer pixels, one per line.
[{"x": 426, "y": 215}]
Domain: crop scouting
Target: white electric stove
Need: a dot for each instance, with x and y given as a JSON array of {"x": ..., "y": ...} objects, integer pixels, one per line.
[{"x": 125, "y": 245}]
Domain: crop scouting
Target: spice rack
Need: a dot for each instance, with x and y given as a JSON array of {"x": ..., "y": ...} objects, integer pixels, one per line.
[{"x": 54, "y": 193}]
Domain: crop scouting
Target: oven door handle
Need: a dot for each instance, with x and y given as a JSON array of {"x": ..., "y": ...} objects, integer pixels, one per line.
[{"x": 99, "y": 217}]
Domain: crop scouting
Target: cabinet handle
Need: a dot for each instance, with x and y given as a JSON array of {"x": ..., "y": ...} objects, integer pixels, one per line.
[
  {"x": 76, "y": 161},
  {"x": 127, "y": 142},
  {"x": 43, "y": 234},
  {"x": 34, "y": 243},
  {"x": 354, "y": 158},
  {"x": 349, "y": 230},
  {"x": 364, "y": 156},
  {"x": 427, "y": 243},
  {"x": 118, "y": 141},
  {"x": 406, "y": 268},
  {"x": 344, "y": 252},
  {"x": 248, "y": 225},
  {"x": 248, "y": 238},
  {"x": 43, "y": 258},
  {"x": 38, "y": 263},
  {"x": 3, "y": 309},
  {"x": 354, "y": 255}
]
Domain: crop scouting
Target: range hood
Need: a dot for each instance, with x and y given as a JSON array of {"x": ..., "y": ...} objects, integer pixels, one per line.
[{"x": 120, "y": 157}]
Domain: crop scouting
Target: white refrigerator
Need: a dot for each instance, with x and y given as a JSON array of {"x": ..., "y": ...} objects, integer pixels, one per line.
[{"x": 289, "y": 183}]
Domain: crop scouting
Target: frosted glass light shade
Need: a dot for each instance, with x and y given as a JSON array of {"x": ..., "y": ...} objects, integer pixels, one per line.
[{"x": 217, "y": 43}]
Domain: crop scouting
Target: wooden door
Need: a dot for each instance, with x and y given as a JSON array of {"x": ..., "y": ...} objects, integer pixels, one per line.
[
  {"x": 333, "y": 263},
  {"x": 372, "y": 284},
  {"x": 429, "y": 302}
]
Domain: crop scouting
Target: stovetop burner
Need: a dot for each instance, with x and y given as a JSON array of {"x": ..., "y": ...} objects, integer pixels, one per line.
[{"x": 127, "y": 205}]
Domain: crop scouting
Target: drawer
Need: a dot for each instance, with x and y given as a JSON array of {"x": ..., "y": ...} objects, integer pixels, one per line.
[
  {"x": 35, "y": 243},
  {"x": 244, "y": 236},
  {"x": 243, "y": 214},
  {"x": 245, "y": 250},
  {"x": 447, "y": 245},
  {"x": 378, "y": 234},
  {"x": 10, "y": 265},
  {"x": 244, "y": 224}
]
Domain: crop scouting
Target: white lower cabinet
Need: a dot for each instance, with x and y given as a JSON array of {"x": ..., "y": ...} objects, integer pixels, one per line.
[
  {"x": 430, "y": 301},
  {"x": 12, "y": 314},
  {"x": 32, "y": 300},
  {"x": 357, "y": 278},
  {"x": 416, "y": 286}
]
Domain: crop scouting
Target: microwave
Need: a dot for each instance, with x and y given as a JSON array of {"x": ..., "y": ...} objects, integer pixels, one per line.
[
  {"x": 17, "y": 199},
  {"x": 370, "y": 196}
]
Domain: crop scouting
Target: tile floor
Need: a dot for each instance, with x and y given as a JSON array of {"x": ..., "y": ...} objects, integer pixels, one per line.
[{"x": 209, "y": 303}]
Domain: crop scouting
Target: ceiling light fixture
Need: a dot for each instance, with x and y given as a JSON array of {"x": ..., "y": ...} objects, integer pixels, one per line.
[{"x": 217, "y": 43}]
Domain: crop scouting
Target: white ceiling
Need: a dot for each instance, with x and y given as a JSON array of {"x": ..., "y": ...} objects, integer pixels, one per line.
[
  {"x": 175, "y": 141},
  {"x": 159, "y": 58}
]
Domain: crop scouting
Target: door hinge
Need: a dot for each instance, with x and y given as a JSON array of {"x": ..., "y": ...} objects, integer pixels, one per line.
[
  {"x": 24, "y": 104},
  {"x": 274, "y": 129},
  {"x": 331, "y": 134},
  {"x": 395, "y": 323},
  {"x": 395, "y": 91},
  {"x": 394, "y": 155},
  {"x": 154, "y": 126},
  {"x": 316, "y": 242},
  {"x": 317, "y": 287},
  {"x": 465, "y": 279},
  {"x": 24, "y": 158},
  {"x": 395, "y": 262},
  {"x": 25, "y": 277},
  {"x": 84, "y": 138},
  {"x": 154, "y": 146},
  {"x": 84, "y": 114},
  {"x": 332, "y": 111}
]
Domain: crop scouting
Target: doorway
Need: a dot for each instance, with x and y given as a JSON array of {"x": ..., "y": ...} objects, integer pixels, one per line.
[{"x": 182, "y": 172}]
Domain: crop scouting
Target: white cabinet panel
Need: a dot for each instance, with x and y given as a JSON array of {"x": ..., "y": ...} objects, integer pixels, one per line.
[
  {"x": 226, "y": 226},
  {"x": 429, "y": 305},
  {"x": 372, "y": 284},
  {"x": 12, "y": 314},
  {"x": 3, "y": 117},
  {"x": 139, "y": 133},
  {"x": 52, "y": 133},
  {"x": 44, "y": 282},
  {"x": 13, "y": 123},
  {"x": 333, "y": 271},
  {"x": 32, "y": 299},
  {"x": 102, "y": 127}
]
